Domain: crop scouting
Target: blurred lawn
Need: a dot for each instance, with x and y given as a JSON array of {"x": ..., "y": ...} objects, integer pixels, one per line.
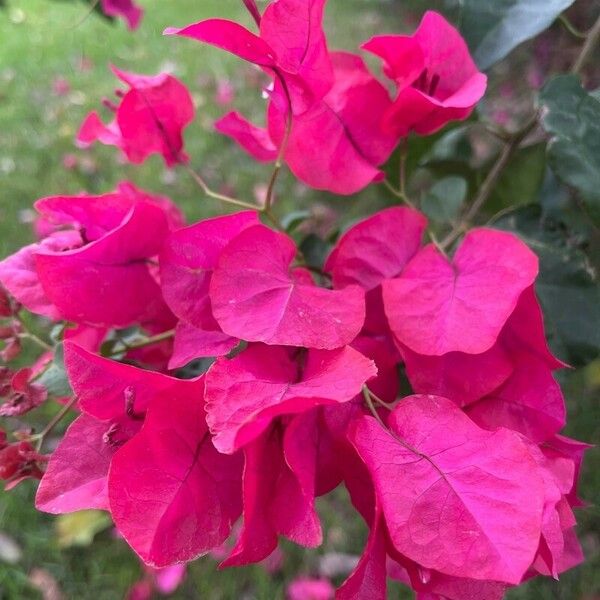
[{"x": 43, "y": 42}]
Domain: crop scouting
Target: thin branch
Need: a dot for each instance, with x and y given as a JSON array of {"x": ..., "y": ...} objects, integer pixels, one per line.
[
  {"x": 155, "y": 339},
  {"x": 398, "y": 193},
  {"x": 564, "y": 21},
  {"x": 591, "y": 40},
  {"x": 40, "y": 437},
  {"x": 221, "y": 197},
  {"x": 490, "y": 181}
]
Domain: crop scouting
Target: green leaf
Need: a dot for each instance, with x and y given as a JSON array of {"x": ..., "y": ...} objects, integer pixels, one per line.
[
  {"x": 572, "y": 116},
  {"x": 54, "y": 378},
  {"x": 315, "y": 250},
  {"x": 452, "y": 146},
  {"x": 293, "y": 220},
  {"x": 80, "y": 528},
  {"x": 521, "y": 180},
  {"x": 493, "y": 28},
  {"x": 567, "y": 285},
  {"x": 445, "y": 199}
]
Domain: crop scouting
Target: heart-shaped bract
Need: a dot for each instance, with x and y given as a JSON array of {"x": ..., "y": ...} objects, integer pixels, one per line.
[
  {"x": 255, "y": 296},
  {"x": 172, "y": 495},
  {"x": 445, "y": 483},
  {"x": 244, "y": 394},
  {"x": 438, "y": 306}
]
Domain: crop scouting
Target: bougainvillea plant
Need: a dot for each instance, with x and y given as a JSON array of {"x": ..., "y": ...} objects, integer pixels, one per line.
[{"x": 218, "y": 375}]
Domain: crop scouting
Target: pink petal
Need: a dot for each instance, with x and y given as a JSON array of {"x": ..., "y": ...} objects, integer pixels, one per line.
[
  {"x": 278, "y": 496},
  {"x": 463, "y": 378},
  {"x": 76, "y": 476},
  {"x": 304, "y": 588},
  {"x": 102, "y": 385},
  {"x": 294, "y": 31},
  {"x": 246, "y": 393},
  {"x": 125, "y": 9},
  {"x": 254, "y": 140},
  {"x": 529, "y": 402},
  {"x": 172, "y": 496},
  {"x": 188, "y": 259},
  {"x": 376, "y": 248},
  {"x": 107, "y": 282},
  {"x": 19, "y": 275},
  {"x": 191, "y": 343},
  {"x": 338, "y": 143},
  {"x": 231, "y": 37},
  {"x": 254, "y": 297},
  {"x": 444, "y": 482},
  {"x": 437, "y": 306}
]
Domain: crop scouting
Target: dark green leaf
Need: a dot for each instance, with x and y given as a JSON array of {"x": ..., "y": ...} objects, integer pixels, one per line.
[
  {"x": 315, "y": 250},
  {"x": 521, "y": 180},
  {"x": 572, "y": 116},
  {"x": 493, "y": 28},
  {"x": 567, "y": 285},
  {"x": 54, "y": 378},
  {"x": 444, "y": 200},
  {"x": 452, "y": 146},
  {"x": 294, "y": 219}
]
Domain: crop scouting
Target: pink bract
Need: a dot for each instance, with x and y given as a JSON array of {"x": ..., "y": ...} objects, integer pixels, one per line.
[
  {"x": 244, "y": 394},
  {"x": 436, "y": 77},
  {"x": 172, "y": 495},
  {"x": 126, "y": 9},
  {"x": 256, "y": 297},
  {"x": 150, "y": 119},
  {"x": 438, "y": 306},
  {"x": 440, "y": 489}
]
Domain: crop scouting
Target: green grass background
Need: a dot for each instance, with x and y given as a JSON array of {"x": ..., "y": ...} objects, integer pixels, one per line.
[{"x": 42, "y": 40}]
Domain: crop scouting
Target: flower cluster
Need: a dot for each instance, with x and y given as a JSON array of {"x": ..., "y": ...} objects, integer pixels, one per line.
[{"x": 466, "y": 484}]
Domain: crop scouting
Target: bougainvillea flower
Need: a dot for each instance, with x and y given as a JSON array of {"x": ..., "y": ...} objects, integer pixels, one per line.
[
  {"x": 18, "y": 273},
  {"x": 94, "y": 267},
  {"x": 125, "y": 9},
  {"x": 6, "y": 306},
  {"x": 375, "y": 249},
  {"x": 24, "y": 395},
  {"x": 445, "y": 375},
  {"x": 438, "y": 306},
  {"x": 187, "y": 261},
  {"x": 172, "y": 496},
  {"x": 108, "y": 390},
  {"x": 338, "y": 143},
  {"x": 244, "y": 394},
  {"x": 436, "y": 77},
  {"x": 304, "y": 588},
  {"x": 278, "y": 496},
  {"x": 291, "y": 44},
  {"x": 521, "y": 341},
  {"x": 149, "y": 119},
  {"x": 256, "y": 297},
  {"x": 255, "y": 140},
  {"x": 529, "y": 402},
  {"x": 435, "y": 462},
  {"x": 76, "y": 477},
  {"x": 19, "y": 461},
  {"x": 108, "y": 281}
]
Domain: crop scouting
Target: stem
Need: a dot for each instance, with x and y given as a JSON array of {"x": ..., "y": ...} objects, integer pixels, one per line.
[
  {"x": 155, "y": 339},
  {"x": 212, "y": 194},
  {"x": 398, "y": 193},
  {"x": 403, "y": 156},
  {"x": 367, "y": 396},
  {"x": 40, "y": 437},
  {"x": 564, "y": 21},
  {"x": 34, "y": 338},
  {"x": 592, "y": 38},
  {"x": 490, "y": 181}
]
